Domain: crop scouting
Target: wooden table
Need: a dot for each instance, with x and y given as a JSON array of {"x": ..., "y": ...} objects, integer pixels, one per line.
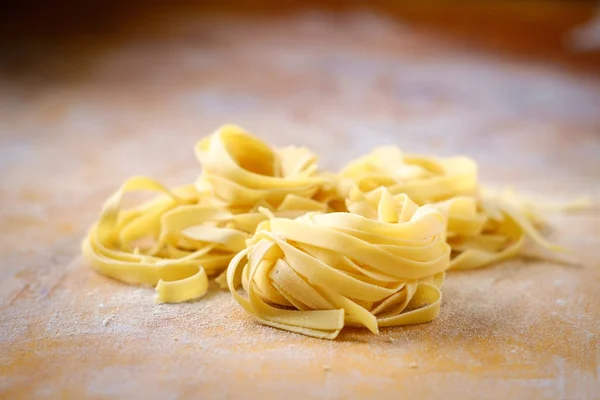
[{"x": 92, "y": 113}]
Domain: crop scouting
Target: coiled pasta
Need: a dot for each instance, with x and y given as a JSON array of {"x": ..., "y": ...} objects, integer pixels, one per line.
[
  {"x": 241, "y": 172},
  {"x": 380, "y": 264},
  {"x": 481, "y": 229},
  {"x": 178, "y": 239},
  {"x": 312, "y": 250},
  {"x": 425, "y": 180}
]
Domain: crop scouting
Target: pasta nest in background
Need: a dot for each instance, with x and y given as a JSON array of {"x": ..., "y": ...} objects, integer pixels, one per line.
[
  {"x": 381, "y": 264},
  {"x": 242, "y": 172},
  {"x": 482, "y": 228},
  {"x": 424, "y": 179},
  {"x": 178, "y": 239}
]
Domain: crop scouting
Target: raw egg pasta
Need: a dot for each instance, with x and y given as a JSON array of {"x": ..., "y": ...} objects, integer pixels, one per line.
[
  {"x": 482, "y": 229},
  {"x": 423, "y": 179},
  {"x": 381, "y": 264},
  {"x": 241, "y": 171},
  {"x": 307, "y": 250},
  {"x": 178, "y": 239}
]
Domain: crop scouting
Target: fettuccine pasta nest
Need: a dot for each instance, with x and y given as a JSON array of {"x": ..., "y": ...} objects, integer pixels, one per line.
[
  {"x": 311, "y": 250},
  {"x": 175, "y": 241},
  {"x": 381, "y": 264},
  {"x": 481, "y": 229}
]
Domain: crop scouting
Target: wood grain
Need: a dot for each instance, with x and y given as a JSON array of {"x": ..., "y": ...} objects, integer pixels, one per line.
[{"x": 339, "y": 82}]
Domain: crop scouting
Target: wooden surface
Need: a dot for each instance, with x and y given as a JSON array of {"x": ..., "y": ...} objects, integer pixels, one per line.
[{"x": 88, "y": 117}]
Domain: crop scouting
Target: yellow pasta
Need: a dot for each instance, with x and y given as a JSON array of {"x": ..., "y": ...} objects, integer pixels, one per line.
[
  {"x": 240, "y": 171},
  {"x": 380, "y": 264},
  {"x": 313, "y": 251},
  {"x": 425, "y": 180},
  {"x": 178, "y": 239},
  {"x": 482, "y": 229},
  {"x": 185, "y": 289}
]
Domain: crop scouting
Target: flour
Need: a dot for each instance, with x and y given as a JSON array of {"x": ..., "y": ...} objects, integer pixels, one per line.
[
  {"x": 107, "y": 320},
  {"x": 347, "y": 83}
]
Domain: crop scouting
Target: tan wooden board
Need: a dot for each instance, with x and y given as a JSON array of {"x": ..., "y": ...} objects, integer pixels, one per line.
[{"x": 340, "y": 84}]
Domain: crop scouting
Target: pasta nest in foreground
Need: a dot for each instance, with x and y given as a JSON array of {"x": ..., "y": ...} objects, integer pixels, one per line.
[{"x": 380, "y": 264}]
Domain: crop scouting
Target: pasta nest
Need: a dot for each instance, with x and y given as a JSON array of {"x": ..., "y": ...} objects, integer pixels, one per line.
[
  {"x": 241, "y": 172},
  {"x": 424, "y": 179},
  {"x": 173, "y": 241},
  {"x": 482, "y": 228},
  {"x": 177, "y": 239},
  {"x": 312, "y": 250},
  {"x": 380, "y": 264}
]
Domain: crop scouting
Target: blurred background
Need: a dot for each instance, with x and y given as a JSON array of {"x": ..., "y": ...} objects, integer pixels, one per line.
[
  {"x": 410, "y": 72},
  {"x": 92, "y": 92}
]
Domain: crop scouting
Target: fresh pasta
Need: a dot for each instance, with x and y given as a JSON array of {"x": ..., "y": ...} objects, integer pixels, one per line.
[
  {"x": 185, "y": 235},
  {"x": 240, "y": 171},
  {"x": 482, "y": 229},
  {"x": 423, "y": 179},
  {"x": 381, "y": 264},
  {"x": 307, "y": 250}
]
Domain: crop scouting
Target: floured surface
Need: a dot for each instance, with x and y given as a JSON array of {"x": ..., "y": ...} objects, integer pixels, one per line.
[{"x": 350, "y": 82}]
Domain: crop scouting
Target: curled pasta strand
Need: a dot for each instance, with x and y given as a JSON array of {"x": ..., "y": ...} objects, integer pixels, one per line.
[
  {"x": 481, "y": 229},
  {"x": 296, "y": 273},
  {"x": 240, "y": 170},
  {"x": 178, "y": 239},
  {"x": 307, "y": 250}
]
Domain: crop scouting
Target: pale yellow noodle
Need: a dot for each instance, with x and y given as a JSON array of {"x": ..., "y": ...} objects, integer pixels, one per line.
[
  {"x": 241, "y": 171},
  {"x": 306, "y": 250},
  {"x": 482, "y": 229},
  {"x": 179, "y": 238},
  {"x": 380, "y": 266}
]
